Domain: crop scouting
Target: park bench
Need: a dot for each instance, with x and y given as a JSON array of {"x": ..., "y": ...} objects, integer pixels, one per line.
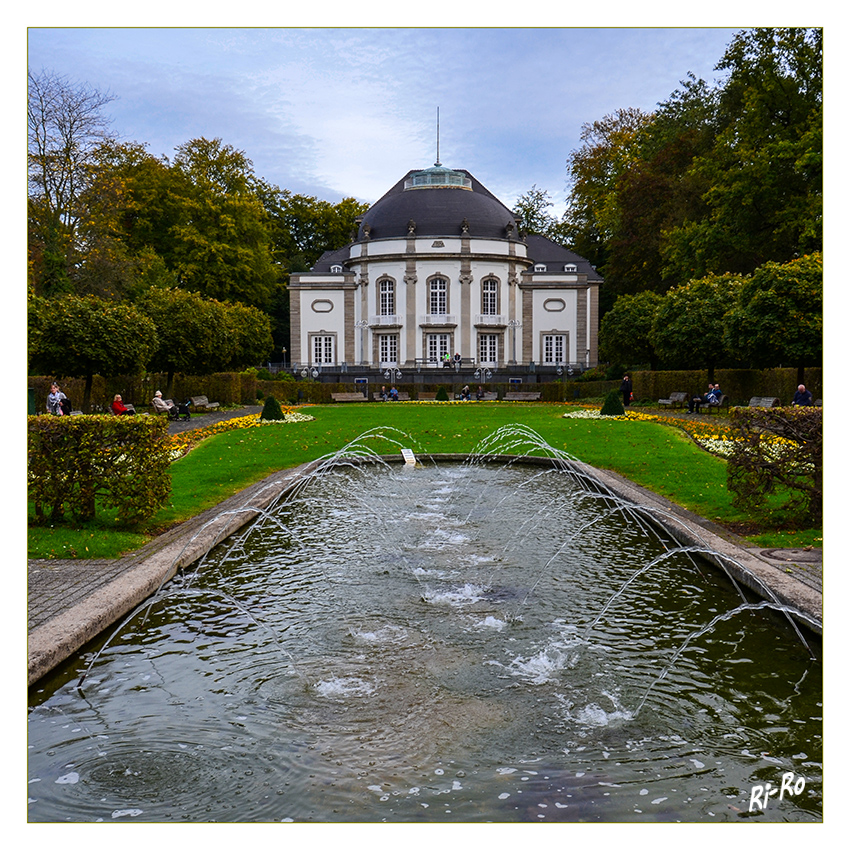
[
  {"x": 763, "y": 401},
  {"x": 426, "y": 396},
  {"x": 349, "y": 397},
  {"x": 401, "y": 397},
  {"x": 485, "y": 397},
  {"x": 675, "y": 400},
  {"x": 522, "y": 396},
  {"x": 721, "y": 400},
  {"x": 201, "y": 402}
]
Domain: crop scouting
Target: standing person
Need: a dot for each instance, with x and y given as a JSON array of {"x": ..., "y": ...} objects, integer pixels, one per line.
[
  {"x": 54, "y": 401},
  {"x": 802, "y": 398},
  {"x": 119, "y": 409},
  {"x": 626, "y": 390}
]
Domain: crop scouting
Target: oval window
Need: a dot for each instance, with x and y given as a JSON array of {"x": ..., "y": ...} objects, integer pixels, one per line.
[
  {"x": 322, "y": 305},
  {"x": 554, "y": 305}
]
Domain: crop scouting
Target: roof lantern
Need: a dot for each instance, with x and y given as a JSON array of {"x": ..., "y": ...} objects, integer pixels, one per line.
[{"x": 438, "y": 177}]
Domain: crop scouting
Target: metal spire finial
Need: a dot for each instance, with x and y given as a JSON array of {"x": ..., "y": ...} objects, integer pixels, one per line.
[{"x": 438, "y": 163}]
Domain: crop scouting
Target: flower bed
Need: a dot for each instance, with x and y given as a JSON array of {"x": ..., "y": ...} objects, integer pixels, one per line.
[
  {"x": 712, "y": 437},
  {"x": 182, "y": 444}
]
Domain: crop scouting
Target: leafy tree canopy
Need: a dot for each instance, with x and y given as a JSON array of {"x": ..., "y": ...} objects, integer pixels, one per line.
[
  {"x": 86, "y": 336},
  {"x": 778, "y": 315},
  {"x": 688, "y": 328}
]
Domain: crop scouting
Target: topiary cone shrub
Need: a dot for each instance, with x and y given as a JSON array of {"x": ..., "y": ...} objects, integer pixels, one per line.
[
  {"x": 442, "y": 395},
  {"x": 271, "y": 409},
  {"x": 613, "y": 405}
]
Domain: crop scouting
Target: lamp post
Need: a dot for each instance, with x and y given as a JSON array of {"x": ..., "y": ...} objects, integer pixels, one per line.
[
  {"x": 393, "y": 373},
  {"x": 484, "y": 373},
  {"x": 513, "y": 324},
  {"x": 362, "y": 324},
  {"x": 283, "y": 352}
]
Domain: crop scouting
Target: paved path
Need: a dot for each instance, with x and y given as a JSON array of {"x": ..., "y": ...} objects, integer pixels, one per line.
[{"x": 199, "y": 420}]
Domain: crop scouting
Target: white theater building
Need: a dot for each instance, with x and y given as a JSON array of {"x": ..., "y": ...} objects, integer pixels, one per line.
[{"x": 439, "y": 268}]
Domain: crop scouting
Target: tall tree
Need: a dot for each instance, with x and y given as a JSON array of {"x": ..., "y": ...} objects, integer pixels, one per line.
[
  {"x": 222, "y": 246},
  {"x": 764, "y": 170},
  {"x": 625, "y": 334},
  {"x": 658, "y": 190},
  {"x": 688, "y": 328},
  {"x": 608, "y": 149},
  {"x": 532, "y": 209},
  {"x": 778, "y": 315},
  {"x": 65, "y": 125}
]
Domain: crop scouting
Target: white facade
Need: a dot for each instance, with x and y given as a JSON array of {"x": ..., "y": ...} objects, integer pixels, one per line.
[{"x": 412, "y": 300}]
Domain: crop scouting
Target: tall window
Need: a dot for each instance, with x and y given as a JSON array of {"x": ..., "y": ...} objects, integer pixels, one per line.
[
  {"x": 437, "y": 346},
  {"x": 489, "y": 297},
  {"x": 387, "y": 298},
  {"x": 488, "y": 349},
  {"x": 388, "y": 349},
  {"x": 437, "y": 298},
  {"x": 554, "y": 348},
  {"x": 323, "y": 350}
]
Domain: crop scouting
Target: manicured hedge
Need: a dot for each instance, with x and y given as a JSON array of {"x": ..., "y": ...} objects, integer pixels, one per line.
[
  {"x": 79, "y": 463},
  {"x": 235, "y": 388}
]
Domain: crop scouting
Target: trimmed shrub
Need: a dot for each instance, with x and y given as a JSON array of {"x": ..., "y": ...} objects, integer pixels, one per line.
[
  {"x": 76, "y": 463},
  {"x": 778, "y": 450},
  {"x": 442, "y": 394},
  {"x": 271, "y": 409},
  {"x": 613, "y": 405}
]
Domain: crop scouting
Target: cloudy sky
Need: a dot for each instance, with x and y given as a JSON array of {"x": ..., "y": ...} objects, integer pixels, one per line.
[{"x": 347, "y": 112}]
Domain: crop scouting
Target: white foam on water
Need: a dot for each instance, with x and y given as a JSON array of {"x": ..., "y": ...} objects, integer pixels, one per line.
[
  {"x": 423, "y": 573},
  {"x": 491, "y": 622},
  {"x": 457, "y": 597},
  {"x": 350, "y": 686},
  {"x": 386, "y": 634},
  {"x": 71, "y": 778},
  {"x": 594, "y": 715},
  {"x": 542, "y": 667}
]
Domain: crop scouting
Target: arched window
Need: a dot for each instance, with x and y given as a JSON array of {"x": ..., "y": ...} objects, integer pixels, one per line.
[
  {"x": 489, "y": 297},
  {"x": 386, "y": 295},
  {"x": 438, "y": 296}
]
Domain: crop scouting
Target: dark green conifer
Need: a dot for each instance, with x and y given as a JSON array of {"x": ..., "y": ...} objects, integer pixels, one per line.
[{"x": 271, "y": 409}]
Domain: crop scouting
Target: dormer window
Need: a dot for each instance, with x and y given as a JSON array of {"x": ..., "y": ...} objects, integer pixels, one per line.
[
  {"x": 336, "y": 269},
  {"x": 540, "y": 267},
  {"x": 570, "y": 267}
]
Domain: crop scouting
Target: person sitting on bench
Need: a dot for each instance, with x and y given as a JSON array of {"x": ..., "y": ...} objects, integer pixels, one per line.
[
  {"x": 711, "y": 397},
  {"x": 162, "y": 406},
  {"x": 120, "y": 409}
]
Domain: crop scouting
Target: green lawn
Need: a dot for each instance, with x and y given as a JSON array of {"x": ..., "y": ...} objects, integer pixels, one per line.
[{"x": 656, "y": 456}]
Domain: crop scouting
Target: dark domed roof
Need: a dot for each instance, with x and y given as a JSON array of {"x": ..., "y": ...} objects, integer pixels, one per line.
[{"x": 437, "y": 211}]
